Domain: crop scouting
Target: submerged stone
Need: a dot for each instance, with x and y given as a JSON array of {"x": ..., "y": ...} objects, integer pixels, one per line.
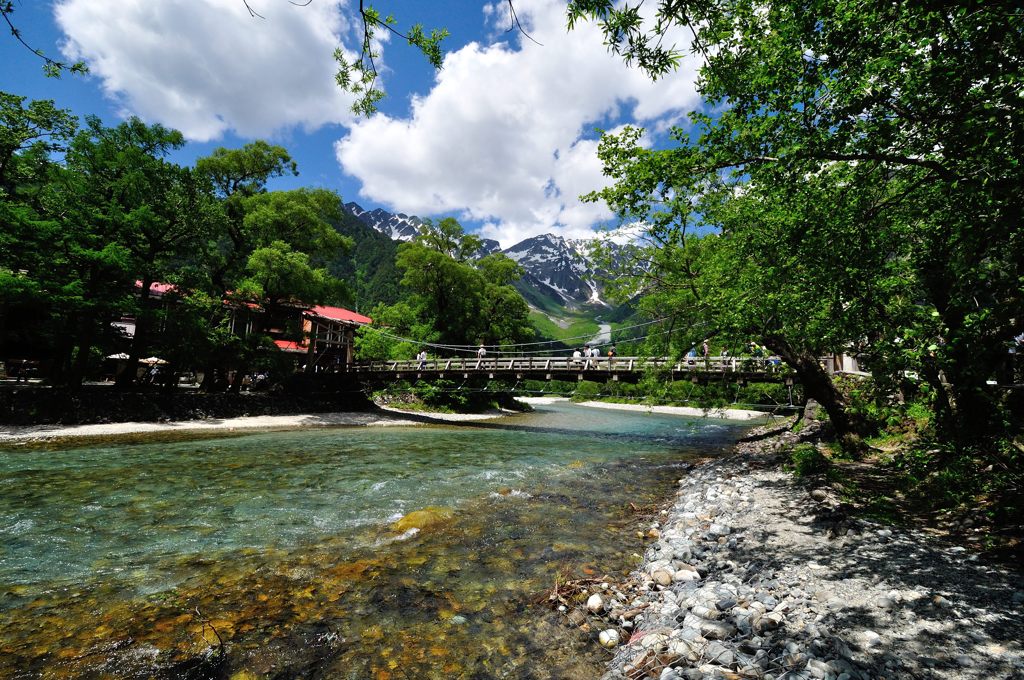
[{"x": 423, "y": 519}]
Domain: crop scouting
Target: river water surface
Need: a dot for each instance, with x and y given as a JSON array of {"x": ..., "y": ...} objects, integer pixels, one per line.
[{"x": 285, "y": 554}]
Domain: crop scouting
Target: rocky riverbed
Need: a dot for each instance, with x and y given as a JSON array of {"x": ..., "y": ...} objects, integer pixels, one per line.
[{"x": 755, "y": 574}]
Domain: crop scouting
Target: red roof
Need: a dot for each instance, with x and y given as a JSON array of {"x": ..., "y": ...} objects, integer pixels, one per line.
[
  {"x": 333, "y": 313},
  {"x": 290, "y": 346},
  {"x": 156, "y": 288},
  {"x": 339, "y": 314}
]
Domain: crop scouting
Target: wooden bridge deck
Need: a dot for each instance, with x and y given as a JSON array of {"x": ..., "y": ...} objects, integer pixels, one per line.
[{"x": 598, "y": 369}]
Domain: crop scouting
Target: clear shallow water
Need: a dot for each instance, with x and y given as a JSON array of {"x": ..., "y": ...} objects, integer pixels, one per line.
[{"x": 141, "y": 559}]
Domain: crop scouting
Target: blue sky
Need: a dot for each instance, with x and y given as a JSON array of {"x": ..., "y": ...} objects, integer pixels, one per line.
[{"x": 502, "y": 138}]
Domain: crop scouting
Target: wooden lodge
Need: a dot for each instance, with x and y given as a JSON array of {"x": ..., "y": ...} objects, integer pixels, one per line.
[{"x": 328, "y": 334}]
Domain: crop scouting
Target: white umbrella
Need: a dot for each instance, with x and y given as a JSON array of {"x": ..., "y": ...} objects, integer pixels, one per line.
[
  {"x": 152, "y": 360},
  {"x": 120, "y": 355}
]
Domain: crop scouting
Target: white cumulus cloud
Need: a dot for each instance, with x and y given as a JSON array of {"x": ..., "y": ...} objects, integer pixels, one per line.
[
  {"x": 206, "y": 66},
  {"x": 505, "y": 137}
]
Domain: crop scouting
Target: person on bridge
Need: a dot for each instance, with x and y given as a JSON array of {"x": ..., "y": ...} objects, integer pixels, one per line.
[
  {"x": 482, "y": 352},
  {"x": 595, "y": 353},
  {"x": 422, "y": 358},
  {"x": 576, "y": 357}
]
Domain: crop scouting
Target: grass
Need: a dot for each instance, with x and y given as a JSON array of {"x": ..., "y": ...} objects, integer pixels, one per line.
[{"x": 578, "y": 330}]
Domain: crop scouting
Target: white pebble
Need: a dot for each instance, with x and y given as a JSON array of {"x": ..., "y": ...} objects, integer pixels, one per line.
[{"x": 609, "y": 638}]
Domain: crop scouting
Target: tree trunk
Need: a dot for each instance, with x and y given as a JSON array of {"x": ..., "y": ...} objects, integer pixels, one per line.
[
  {"x": 140, "y": 341},
  {"x": 60, "y": 367},
  {"x": 80, "y": 365},
  {"x": 971, "y": 423},
  {"x": 818, "y": 386},
  {"x": 168, "y": 378}
]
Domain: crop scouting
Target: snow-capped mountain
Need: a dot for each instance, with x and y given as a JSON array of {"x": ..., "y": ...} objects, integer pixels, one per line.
[
  {"x": 557, "y": 271},
  {"x": 558, "y": 268},
  {"x": 488, "y": 246},
  {"x": 402, "y": 227},
  {"x": 399, "y": 227}
]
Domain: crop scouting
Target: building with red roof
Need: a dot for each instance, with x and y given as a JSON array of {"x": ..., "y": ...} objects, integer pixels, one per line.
[{"x": 327, "y": 333}]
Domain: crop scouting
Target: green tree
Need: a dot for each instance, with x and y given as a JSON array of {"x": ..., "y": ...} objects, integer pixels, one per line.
[
  {"x": 277, "y": 275},
  {"x": 29, "y": 135},
  {"x": 237, "y": 175},
  {"x": 454, "y": 300},
  {"x": 370, "y": 266},
  {"x": 912, "y": 111},
  {"x": 115, "y": 211},
  {"x": 274, "y": 246},
  {"x": 359, "y": 75},
  {"x": 397, "y": 332},
  {"x": 503, "y": 315},
  {"x": 448, "y": 238},
  {"x": 168, "y": 214},
  {"x": 32, "y": 137}
]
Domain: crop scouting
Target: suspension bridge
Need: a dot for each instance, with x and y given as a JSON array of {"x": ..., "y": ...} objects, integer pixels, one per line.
[{"x": 572, "y": 369}]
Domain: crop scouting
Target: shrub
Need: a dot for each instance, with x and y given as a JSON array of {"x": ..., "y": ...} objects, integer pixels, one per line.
[
  {"x": 806, "y": 459},
  {"x": 586, "y": 391},
  {"x": 764, "y": 393},
  {"x": 920, "y": 414}
]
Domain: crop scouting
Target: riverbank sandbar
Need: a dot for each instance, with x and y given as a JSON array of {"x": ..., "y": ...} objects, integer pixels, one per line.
[
  {"x": 723, "y": 413},
  {"x": 541, "y": 400},
  {"x": 385, "y": 417}
]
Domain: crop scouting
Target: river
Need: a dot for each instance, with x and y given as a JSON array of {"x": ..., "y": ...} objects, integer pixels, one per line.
[{"x": 279, "y": 555}]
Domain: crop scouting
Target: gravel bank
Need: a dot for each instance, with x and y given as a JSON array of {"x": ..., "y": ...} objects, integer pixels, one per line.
[{"x": 754, "y": 574}]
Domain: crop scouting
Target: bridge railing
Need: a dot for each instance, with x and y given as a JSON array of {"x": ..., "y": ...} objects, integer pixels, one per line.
[{"x": 721, "y": 364}]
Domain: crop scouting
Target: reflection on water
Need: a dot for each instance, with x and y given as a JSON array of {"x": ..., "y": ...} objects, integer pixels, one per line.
[{"x": 279, "y": 555}]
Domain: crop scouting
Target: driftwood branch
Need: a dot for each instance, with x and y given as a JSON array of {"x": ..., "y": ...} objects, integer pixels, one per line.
[{"x": 207, "y": 622}]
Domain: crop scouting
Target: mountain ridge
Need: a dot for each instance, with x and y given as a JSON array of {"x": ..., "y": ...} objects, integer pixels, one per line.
[{"x": 558, "y": 273}]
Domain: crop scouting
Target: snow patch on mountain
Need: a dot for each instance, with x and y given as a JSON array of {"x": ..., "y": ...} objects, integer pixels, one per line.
[{"x": 553, "y": 266}]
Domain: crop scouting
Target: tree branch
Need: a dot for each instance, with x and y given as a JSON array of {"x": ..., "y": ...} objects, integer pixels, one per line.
[
  {"x": 934, "y": 166},
  {"x": 514, "y": 19},
  {"x": 52, "y": 67},
  {"x": 253, "y": 13}
]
